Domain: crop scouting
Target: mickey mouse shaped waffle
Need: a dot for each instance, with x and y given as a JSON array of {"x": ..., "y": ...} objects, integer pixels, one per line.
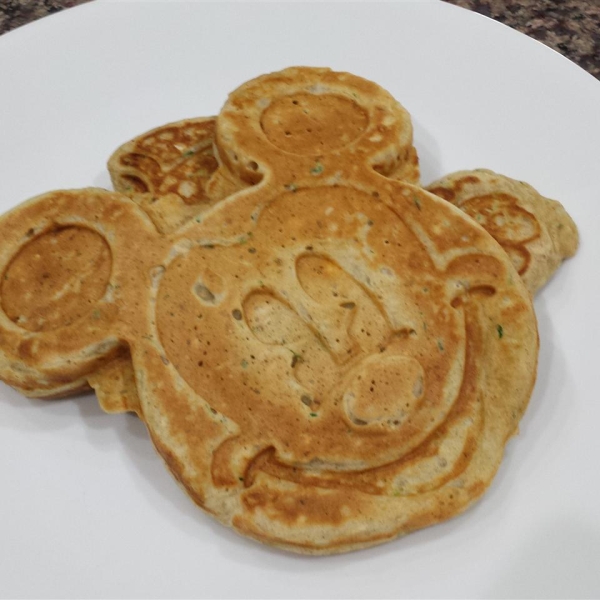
[{"x": 326, "y": 359}]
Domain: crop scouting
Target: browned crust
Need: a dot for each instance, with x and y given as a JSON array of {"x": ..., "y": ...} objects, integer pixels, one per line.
[{"x": 327, "y": 359}]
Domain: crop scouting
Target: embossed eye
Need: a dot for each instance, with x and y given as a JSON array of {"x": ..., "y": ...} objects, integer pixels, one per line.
[
  {"x": 343, "y": 336},
  {"x": 274, "y": 322},
  {"x": 355, "y": 323}
]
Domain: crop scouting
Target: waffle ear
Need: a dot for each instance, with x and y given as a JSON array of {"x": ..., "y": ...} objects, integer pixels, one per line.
[
  {"x": 306, "y": 124},
  {"x": 61, "y": 273}
]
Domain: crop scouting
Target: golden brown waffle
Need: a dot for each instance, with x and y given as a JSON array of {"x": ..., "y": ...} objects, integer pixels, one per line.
[{"x": 325, "y": 360}]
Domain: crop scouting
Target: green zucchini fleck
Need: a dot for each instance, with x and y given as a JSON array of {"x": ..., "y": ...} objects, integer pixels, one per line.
[{"x": 317, "y": 169}]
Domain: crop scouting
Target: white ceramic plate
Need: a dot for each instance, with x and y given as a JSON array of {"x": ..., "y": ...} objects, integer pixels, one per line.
[{"x": 87, "y": 508}]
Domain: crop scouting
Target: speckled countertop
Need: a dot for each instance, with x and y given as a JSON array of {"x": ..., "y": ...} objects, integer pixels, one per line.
[{"x": 572, "y": 27}]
